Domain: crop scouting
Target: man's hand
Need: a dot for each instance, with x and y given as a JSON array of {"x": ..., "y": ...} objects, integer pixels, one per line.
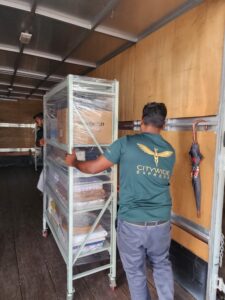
[
  {"x": 42, "y": 142},
  {"x": 70, "y": 159}
]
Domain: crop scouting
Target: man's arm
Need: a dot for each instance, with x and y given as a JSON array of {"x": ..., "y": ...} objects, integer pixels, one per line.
[{"x": 92, "y": 166}]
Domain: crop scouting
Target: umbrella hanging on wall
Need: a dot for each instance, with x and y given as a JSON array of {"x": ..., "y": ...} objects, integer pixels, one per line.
[{"x": 196, "y": 158}]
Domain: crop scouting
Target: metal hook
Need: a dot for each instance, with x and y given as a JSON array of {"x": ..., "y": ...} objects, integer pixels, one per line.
[{"x": 194, "y": 131}]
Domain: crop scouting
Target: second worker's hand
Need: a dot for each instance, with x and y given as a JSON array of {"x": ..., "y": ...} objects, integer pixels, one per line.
[
  {"x": 42, "y": 142},
  {"x": 70, "y": 159}
]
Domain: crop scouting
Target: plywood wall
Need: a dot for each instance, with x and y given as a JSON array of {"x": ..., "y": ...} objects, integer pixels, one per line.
[
  {"x": 196, "y": 246},
  {"x": 121, "y": 68},
  {"x": 180, "y": 64},
  {"x": 21, "y": 111},
  {"x": 17, "y": 138},
  {"x": 181, "y": 184}
]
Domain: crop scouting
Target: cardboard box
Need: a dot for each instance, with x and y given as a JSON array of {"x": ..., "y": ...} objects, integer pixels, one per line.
[{"x": 99, "y": 121}]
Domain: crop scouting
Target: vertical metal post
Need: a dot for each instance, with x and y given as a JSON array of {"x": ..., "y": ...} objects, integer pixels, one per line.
[
  {"x": 112, "y": 274},
  {"x": 218, "y": 197},
  {"x": 44, "y": 230},
  {"x": 70, "y": 289}
]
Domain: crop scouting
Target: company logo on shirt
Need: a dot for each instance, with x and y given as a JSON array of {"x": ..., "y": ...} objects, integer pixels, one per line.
[
  {"x": 155, "y": 153},
  {"x": 153, "y": 171}
]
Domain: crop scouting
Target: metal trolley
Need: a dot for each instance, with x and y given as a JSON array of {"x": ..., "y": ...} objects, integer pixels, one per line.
[{"x": 65, "y": 95}]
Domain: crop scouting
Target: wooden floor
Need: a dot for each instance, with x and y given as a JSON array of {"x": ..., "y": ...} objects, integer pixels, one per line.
[{"x": 31, "y": 267}]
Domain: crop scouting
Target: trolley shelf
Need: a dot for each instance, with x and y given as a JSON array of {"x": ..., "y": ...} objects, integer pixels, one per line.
[
  {"x": 51, "y": 162},
  {"x": 61, "y": 163},
  {"x": 79, "y": 90},
  {"x": 106, "y": 247},
  {"x": 64, "y": 147},
  {"x": 63, "y": 205},
  {"x": 62, "y": 247}
]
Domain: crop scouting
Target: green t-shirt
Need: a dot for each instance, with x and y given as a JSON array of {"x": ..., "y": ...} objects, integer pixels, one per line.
[{"x": 146, "y": 163}]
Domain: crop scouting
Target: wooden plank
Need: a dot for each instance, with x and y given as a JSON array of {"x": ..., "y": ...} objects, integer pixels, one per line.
[
  {"x": 21, "y": 111},
  {"x": 34, "y": 277},
  {"x": 122, "y": 68},
  {"x": 176, "y": 64},
  {"x": 57, "y": 271},
  {"x": 191, "y": 243},
  {"x": 121, "y": 279},
  {"x": 179, "y": 66},
  {"x": 9, "y": 272},
  {"x": 17, "y": 137},
  {"x": 99, "y": 285},
  {"x": 25, "y": 153},
  {"x": 181, "y": 184}
]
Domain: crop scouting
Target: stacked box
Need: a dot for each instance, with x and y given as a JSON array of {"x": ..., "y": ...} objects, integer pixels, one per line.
[{"x": 99, "y": 122}]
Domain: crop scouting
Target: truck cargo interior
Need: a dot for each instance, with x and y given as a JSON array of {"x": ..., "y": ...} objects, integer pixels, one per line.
[{"x": 90, "y": 66}]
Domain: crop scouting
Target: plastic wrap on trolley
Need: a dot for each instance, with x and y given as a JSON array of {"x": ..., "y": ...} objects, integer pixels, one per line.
[
  {"x": 93, "y": 85},
  {"x": 58, "y": 155},
  {"x": 92, "y": 121},
  {"x": 51, "y": 107},
  {"x": 92, "y": 114},
  {"x": 98, "y": 240},
  {"x": 81, "y": 114},
  {"x": 57, "y": 181},
  {"x": 55, "y": 154},
  {"x": 88, "y": 191}
]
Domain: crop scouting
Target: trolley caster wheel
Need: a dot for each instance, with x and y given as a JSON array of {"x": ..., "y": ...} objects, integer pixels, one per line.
[
  {"x": 45, "y": 233},
  {"x": 112, "y": 284},
  {"x": 113, "y": 287},
  {"x": 69, "y": 296}
]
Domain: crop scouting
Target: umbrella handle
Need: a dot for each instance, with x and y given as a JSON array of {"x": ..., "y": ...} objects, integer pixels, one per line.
[{"x": 194, "y": 131}]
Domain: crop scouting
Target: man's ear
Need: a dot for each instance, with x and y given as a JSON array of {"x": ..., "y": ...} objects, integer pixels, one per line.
[
  {"x": 142, "y": 124},
  {"x": 164, "y": 125}
]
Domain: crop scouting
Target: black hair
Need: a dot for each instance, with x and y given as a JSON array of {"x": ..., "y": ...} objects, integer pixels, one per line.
[
  {"x": 154, "y": 114},
  {"x": 39, "y": 115}
]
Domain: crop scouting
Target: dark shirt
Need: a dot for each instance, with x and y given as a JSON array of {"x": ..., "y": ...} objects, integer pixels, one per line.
[{"x": 39, "y": 136}]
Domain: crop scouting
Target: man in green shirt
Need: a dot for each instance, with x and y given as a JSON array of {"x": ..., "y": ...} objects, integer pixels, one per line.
[{"x": 146, "y": 163}]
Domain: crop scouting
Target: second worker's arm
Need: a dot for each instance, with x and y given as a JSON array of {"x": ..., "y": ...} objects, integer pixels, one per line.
[{"x": 91, "y": 166}]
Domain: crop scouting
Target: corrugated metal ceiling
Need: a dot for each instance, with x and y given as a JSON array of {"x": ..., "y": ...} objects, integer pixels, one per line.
[{"x": 71, "y": 37}]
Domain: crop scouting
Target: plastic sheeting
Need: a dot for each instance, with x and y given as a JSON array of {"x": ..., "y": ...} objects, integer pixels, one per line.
[
  {"x": 88, "y": 191},
  {"x": 91, "y": 130},
  {"x": 92, "y": 105},
  {"x": 81, "y": 226}
]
